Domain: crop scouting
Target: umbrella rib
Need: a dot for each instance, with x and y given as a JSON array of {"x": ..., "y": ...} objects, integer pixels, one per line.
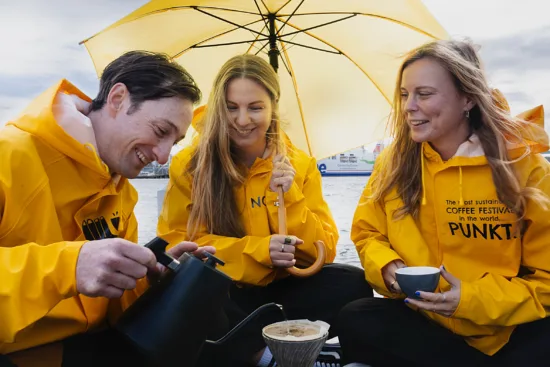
[
  {"x": 225, "y": 9},
  {"x": 284, "y": 49},
  {"x": 349, "y": 58},
  {"x": 260, "y": 50},
  {"x": 163, "y": 10},
  {"x": 316, "y": 26},
  {"x": 300, "y": 106},
  {"x": 337, "y": 52},
  {"x": 228, "y": 43},
  {"x": 288, "y": 19},
  {"x": 256, "y": 40},
  {"x": 369, "y": 15},
  {"x": 232, "y": 23},
  {"x": 211, "y": 38},
  {"x": 281, "y": 8},
  {"x": 261, "y": 14}
]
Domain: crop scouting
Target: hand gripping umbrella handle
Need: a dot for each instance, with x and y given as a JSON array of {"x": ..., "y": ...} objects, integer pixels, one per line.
[{"x": 321, "y": 254}]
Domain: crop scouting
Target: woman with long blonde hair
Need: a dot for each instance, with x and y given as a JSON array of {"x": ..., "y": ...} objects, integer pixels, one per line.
[
  {"x": 462, "y": 188},
  {"x": 222, "y": 192}
]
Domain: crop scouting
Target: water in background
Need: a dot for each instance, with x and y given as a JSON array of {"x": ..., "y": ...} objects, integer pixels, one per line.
[{"x": 341, "y": 194}]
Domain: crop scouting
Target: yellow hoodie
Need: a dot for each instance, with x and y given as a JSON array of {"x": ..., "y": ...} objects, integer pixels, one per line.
[
  {"x": 247, "y": 259},
  {"x": 464, "y": 226},
  {"x": 55, "y": 193}
]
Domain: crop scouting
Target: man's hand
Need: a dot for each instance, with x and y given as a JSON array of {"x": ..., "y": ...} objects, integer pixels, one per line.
[{"x": 106, "y": 268}]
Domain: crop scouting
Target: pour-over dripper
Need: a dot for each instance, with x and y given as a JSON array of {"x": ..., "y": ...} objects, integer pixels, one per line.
[{"x": 296, "y": 343}]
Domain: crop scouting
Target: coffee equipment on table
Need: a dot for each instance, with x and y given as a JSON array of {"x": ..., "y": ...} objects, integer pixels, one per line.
[
  {"x": 296, "y": 343},
  {"x": 168, "y": 323}
]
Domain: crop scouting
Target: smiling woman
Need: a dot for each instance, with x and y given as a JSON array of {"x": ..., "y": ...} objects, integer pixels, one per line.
[
  {"x": 223, "y": 193},
  {"x": 462, "y": 188}
]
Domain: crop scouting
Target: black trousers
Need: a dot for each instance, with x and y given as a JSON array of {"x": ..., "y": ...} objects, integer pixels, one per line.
[
  {"x": 385, "y": 332},
  {"x": 319, "y": 297},
  {"x": 5, "y": 361},
  {"x": 104, "y": 349}
]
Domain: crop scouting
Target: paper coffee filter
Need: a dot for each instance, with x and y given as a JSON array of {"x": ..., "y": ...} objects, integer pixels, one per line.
[{"x": 321, "y": 327}]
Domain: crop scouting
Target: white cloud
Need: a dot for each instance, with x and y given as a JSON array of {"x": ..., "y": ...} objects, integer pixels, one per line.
[
  {"x": 39, "y": 45},
  {"x": 41, "y": 37},
  {"x": 486, "y": 19}
]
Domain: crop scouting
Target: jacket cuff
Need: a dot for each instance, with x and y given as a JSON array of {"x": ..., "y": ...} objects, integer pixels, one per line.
[
  {"x": 373, "y": 270},
  {"x": 261, "y": 253},
  {"x": 68, "y": 258},
  {"x": 466, "y": 295}
]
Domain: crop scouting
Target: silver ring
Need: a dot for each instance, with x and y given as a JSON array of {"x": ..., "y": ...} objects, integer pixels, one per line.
[
  {"x": 392, "y": 284},
  {"x": 283, "y": 247},
  {"x": 444, "y": 297}
]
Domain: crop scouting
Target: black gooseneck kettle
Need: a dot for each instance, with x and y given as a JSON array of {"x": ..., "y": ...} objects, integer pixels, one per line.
[{"x": 168, "y": 323}]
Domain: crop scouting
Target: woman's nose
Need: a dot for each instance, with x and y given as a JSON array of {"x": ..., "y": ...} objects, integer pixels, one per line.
[
  {"x": 242, "y": 118},
  {"x": 410, "y": 104}
]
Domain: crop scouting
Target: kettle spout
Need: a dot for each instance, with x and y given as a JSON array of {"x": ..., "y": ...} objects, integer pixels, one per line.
[{"x": 255, "y": 313}]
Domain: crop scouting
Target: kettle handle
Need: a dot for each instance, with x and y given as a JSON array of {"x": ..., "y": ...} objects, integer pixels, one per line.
[
  {"x": 321, "y": 252},
  {"x": 158, "y": 246}
]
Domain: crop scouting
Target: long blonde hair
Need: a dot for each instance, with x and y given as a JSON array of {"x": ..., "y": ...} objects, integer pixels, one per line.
[
  {"x": 214, "y": 165},
  {"x": 488, "y": 120}
]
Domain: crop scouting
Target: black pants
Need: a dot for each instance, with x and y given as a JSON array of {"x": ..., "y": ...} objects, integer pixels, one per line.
[
  {"x": 5, "y": 361},
  {"x": 385, "y": 332},
  {"x": 104, "y": 349},
  {"x": 319, "y": 297}
]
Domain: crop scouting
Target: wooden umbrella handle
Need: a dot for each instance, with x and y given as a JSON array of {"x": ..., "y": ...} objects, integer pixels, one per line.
[{"x": 321, "y": 254}]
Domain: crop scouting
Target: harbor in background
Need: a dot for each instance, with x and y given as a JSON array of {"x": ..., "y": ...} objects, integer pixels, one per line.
[{"x": 354, "y": 162}]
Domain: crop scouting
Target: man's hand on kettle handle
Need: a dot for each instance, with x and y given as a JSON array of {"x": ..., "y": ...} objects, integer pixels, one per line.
[{"x": 106, "y": 268}]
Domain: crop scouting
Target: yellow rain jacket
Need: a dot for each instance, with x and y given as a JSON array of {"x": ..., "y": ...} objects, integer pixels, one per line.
[
  {"x": 464, "y": 226},
  {"x": 55, "y": 193},
  {"x": 247, "y": 259}
]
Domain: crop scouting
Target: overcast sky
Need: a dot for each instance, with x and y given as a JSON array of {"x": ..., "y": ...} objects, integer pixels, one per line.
[{"x": 39, "y": 45}]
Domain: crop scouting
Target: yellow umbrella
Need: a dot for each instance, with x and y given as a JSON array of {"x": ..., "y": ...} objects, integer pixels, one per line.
[{"x": 337, "y": 59}]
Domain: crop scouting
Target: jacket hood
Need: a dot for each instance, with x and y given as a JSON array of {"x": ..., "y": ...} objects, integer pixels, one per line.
[{"x": 58, "y": 116}]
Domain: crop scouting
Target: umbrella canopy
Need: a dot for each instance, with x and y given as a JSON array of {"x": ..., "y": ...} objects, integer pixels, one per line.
[{"x": 337, "y": 60}]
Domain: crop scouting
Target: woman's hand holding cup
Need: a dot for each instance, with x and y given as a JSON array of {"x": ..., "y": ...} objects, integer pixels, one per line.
[{"x": 388, "y": 274}]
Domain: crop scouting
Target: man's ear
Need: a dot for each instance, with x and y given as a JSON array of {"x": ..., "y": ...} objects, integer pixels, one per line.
[{"x": 118, "y": 95}]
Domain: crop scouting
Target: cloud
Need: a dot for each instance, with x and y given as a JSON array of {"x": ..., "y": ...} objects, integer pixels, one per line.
[
  {"x": 39, "y": 45},
  {"x": 519, "y": 65},
  {"x": 521, "y": 51}
]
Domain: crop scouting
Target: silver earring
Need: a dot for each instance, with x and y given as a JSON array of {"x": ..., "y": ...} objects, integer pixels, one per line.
[{"x": 467, "y": 114}]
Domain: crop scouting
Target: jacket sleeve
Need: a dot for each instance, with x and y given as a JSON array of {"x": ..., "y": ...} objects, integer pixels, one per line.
[
  {"x": 246, "y": 259},
  {"x": 504, "y": 301},
  {"x": 308, "y": 215},
  {"x": 33, "y": 277},
  {"x": 369, "y": 232}
]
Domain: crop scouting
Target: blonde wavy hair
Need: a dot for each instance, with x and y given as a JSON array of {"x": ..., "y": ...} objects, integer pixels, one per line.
[
  {"x": 489, "y": 120},
  {"x": 215, "y": 166}
]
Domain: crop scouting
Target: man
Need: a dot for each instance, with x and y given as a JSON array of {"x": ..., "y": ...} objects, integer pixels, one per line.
[{"x": 68, "y": 258}]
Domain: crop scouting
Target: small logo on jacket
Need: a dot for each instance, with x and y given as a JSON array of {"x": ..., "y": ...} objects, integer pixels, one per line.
[
  {"x": 258, "y": 202},
  {"x": 98, "y": 228}
]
